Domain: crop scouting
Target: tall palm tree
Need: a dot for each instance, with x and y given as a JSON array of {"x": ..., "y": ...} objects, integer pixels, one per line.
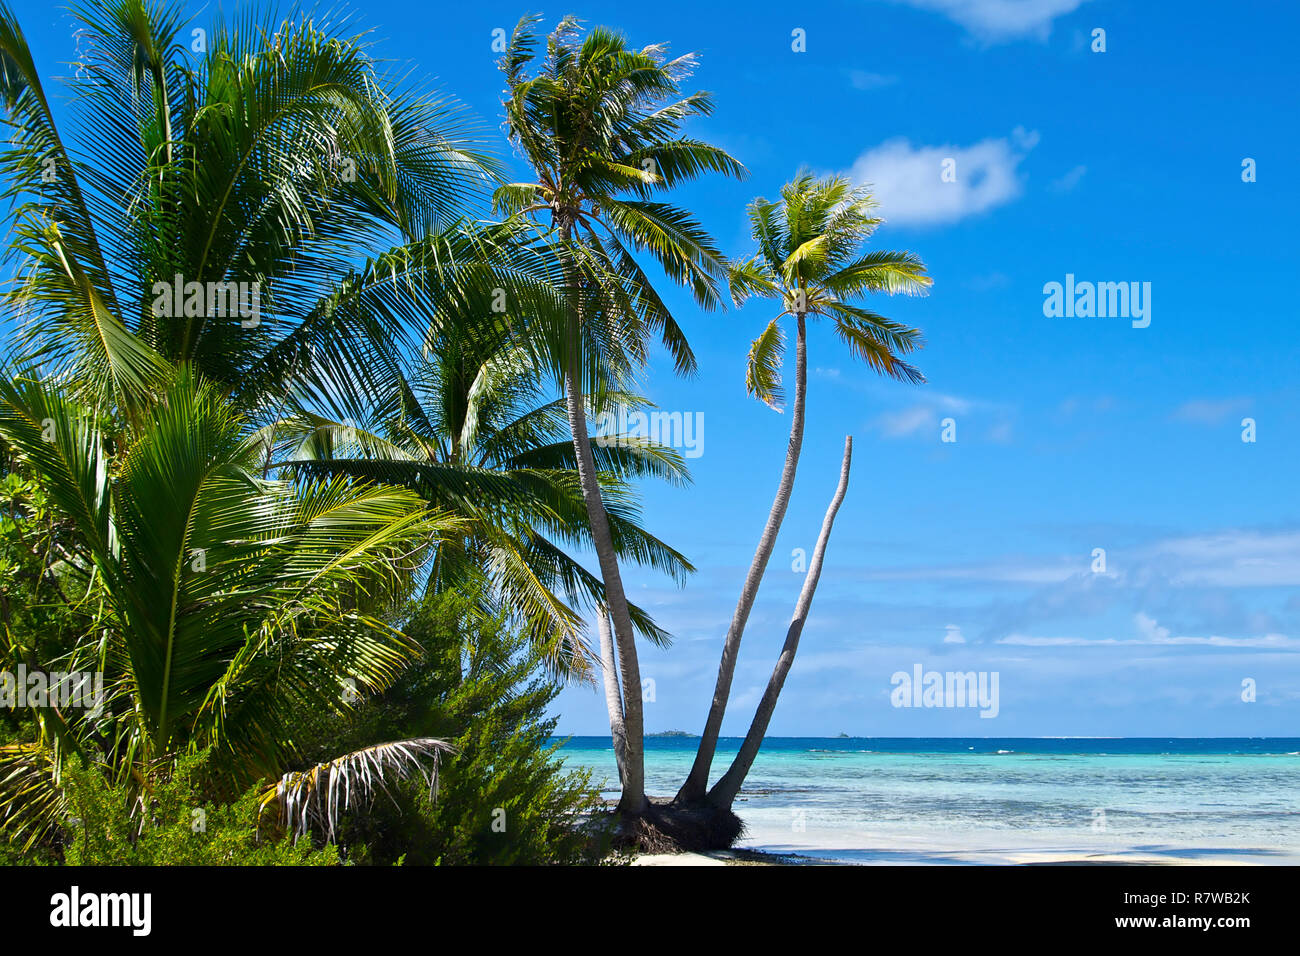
[
  {"x": 599, "y": 125},
  {"x": 809, "y": 259},
  {"x": 225, "y": 604},
  {"x": 472, "y": 430}
]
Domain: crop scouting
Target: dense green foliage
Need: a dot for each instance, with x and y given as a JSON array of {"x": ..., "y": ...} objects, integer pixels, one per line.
[
  {"x": 149, "y": 532},
  {"x": 39, "y": 621},
  {"x": 179, "y": 827},
  {"x": 294, "y": 452},
  {"x": 504, "y": 797}
]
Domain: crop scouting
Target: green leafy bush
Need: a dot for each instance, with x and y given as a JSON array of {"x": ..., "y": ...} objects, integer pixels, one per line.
[
  {"x": 39, "y": 625},
  {"x": 505, "y": 796},
  {"x": 178, "y": 828}
]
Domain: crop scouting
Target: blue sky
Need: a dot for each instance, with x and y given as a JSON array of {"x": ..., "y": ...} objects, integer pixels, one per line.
[{"x": 1072, "y": 433}]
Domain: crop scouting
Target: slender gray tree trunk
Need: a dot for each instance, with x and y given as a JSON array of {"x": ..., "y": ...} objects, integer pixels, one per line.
[
  {"x": 697, "y": 781},
  {"x": 613, "y": 698},
  {"x": 724, "y": 791},
  {"x": 633, "y": 802}
]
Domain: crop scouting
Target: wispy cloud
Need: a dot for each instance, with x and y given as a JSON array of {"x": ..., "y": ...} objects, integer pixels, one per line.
[
  {"x": 1003, "y": 572},
  {"x": 1073, "y": 405},
  {"x": 998, "y": 21},
  {"x": 1149, "y": 632},
  {"x": 923, "y": 418},
  {"x": 907, "y": 421},
  {"x": 862, "y": 80},
  {"x": 987, "y": 283},
  {"x": 1210, "y": 411},
  {"x": 1232, "y": 559},
  {"x": 1070, "y": 179},
  {"x": 909, "y": 181}
]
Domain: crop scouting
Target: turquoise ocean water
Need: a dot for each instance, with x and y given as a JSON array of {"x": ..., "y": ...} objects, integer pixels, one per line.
[{"x": 917, "y": 800}]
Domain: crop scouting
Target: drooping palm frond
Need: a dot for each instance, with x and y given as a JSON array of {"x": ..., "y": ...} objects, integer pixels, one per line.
[
  {"x": 31, "y": 803},
  {"x": 763, "y": 372},
  {"x": 317, "y": 798}
]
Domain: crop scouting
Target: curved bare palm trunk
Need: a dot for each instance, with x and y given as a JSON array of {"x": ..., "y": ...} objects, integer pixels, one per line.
[
  {"x": 697, "y": 781},
  {"x": 725, "y": 790},
  {"x": 613, "y": 698}
]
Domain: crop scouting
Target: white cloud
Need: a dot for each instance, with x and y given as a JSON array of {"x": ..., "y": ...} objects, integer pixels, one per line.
[
  {"x": 1274, "y": 642},
  {"x": 908, "y": 183},
  {"x": 1026, "y": 139},
  {"x": 953, "y": 634},
  {"x": 1149, "y": 629},
  {"x": 995, "y": 21}
]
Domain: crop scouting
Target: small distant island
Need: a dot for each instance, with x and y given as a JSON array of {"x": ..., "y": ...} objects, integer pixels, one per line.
[
  {"x": 842, "y": 734},
  {"x": 672, "y": 733}
]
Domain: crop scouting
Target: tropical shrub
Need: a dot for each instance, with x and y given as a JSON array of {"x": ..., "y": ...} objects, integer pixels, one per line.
[
  {"x": 504, "y": 797},
  {"x": 226, "y": 604},
  {"x": 179, "y": 826}
]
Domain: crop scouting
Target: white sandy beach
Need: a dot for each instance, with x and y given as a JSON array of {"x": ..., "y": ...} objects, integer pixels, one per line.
[{"x": 996, "y": 847}]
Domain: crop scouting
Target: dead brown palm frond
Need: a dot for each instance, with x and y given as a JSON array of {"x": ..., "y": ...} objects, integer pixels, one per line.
[{"x": 319, "y": 795}]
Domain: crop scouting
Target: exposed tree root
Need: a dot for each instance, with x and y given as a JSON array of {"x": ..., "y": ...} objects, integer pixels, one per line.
[{"x": 667, "y": 827}]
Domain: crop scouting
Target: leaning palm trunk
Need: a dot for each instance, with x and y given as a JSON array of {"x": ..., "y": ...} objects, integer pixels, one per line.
[
  {"x": 693, "y": 789},
  {"x": 633, "y": 801},
  {"x": 724, "y": 791},
  {"x": 613, "y": 698}
]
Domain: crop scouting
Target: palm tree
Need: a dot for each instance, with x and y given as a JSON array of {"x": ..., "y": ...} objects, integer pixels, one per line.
[
  {"x": 472, "y": 431},
  {"x": 257, "y": 174},
  {"x": 599, "y": 125},
  {"x": 225, "y": 604},
  {"x": 251, "y": 178},
  {"x": 809, "y": 259}
]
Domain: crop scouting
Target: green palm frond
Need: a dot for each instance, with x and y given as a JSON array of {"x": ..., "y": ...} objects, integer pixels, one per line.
[
  {"x": 228, "y": 599},
  {"x": 749, "y": 278},
  {"x": 31, "y": 803},
  {"x": 273, "y": 163},
  {"x": 884, "y": 271},
  {"x": 763, "y": 370},
  {"x": 600, "y": 124}
]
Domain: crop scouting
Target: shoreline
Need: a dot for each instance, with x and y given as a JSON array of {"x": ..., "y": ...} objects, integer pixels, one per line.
[{"x": 743, "y": 856}]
